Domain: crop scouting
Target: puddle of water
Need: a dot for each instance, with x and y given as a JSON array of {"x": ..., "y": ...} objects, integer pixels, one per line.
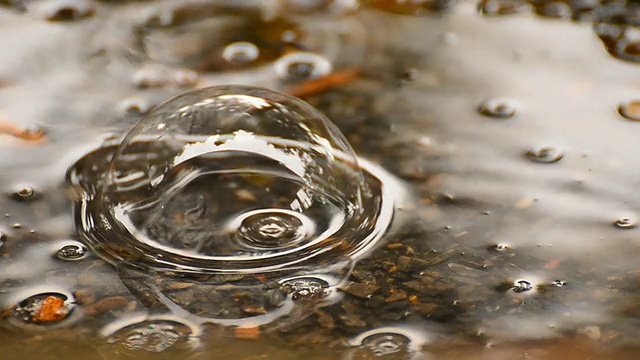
[{"x": 515, "y": 135}]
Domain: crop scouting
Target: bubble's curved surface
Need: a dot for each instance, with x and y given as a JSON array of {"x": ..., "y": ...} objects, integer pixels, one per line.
[{"x": 232, "y": 179}]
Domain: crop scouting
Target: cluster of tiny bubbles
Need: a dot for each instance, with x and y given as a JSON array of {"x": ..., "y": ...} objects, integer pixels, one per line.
[
  {"x": 144, "y": 333},
  {"x": 401, "y": 343},
  {"x": 617, "y": 24},
  {"x": 231, "y": 180},
  {"x": 497, "y": 108},
  {"x": 544, "y": 155},
  {"x": 625, "y": 223},
  {"x": 503, "y": 7},
  {"x": 23, "y": 193},
  {"x": 71, "y": 251},
  {"x": 630, "y": 110},
  {"x": 411, "y": 7},
  {"x": 40, "y": 307},
  {"x": 300, "y": 65}
]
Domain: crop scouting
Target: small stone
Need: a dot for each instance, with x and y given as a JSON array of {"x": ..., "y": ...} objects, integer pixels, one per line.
[
  {"x": 361, "y": 290},
  {"x": 591, "y": 331},
  {"x": 426, "y": 309},
  {"x": 465, "y": 271},
  {"x": 107, "y": 304},
  {"x": 400, "y": 295}
]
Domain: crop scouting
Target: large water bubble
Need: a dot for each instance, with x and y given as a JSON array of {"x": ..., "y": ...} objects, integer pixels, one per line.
[{"x": 233, "y": 179}]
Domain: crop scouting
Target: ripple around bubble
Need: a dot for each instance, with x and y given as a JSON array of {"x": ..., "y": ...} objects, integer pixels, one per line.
[{"x": 232, "y": 179}]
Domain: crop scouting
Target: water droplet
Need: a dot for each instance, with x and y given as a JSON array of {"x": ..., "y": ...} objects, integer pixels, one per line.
[
  {"x": 24, "y": 193},
  {"x": 414, "y": 7},
  {"x": 500, "y": 247},
  {"x": 185, "y": 77},
  {"x": 545, "y": 155},
  {"x": 316, "y": 6},
  {"x": 63, "y": 10},
  {"x": 71, "y": 251},
  {"x": 232, "y": 180},
  {"x": 630, "y": 110},
  {"x": 503, "y": 7},
  {"x": 617, "y": 25},
  {"x": 133, "y": 106},
  {"x": 521, "y": 286},
  {"x": 306, "y": 287},
  {"x": 152, "y": 335},
  {"x": 497, "y": 108},
  {"x": 297, "y": 66},
  {"x": 558, "y": 283},
  {"x": 272, "y": 228},
  {"x": 625, "y": 223},
  {"x": 44, "y": 308},
  {"x": 555, "y": 10},
  {"x": 241, "y": 52}
]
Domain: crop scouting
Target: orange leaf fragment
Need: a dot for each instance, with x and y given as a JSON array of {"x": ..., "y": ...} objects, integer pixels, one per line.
[
  {"x": 553, "y": 264},
  {"x": 247, "y": 333},
  {"x": 52, "y": 309},
  {"x": 324, "y": 83}
]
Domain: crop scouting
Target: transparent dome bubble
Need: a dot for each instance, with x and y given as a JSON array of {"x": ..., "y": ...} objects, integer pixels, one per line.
[{"x": 234, "y": 179}]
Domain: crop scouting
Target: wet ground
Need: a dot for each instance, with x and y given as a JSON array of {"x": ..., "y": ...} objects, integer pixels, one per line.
[{"x": 512, "y": 125}]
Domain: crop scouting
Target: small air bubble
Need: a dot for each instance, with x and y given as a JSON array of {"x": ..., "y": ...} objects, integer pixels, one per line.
[
  {"x": 497, "y": 108},
  {"x": 72, "y": 252},
  {"x": 521, "y": 286},
  {"x": 630, "y": 110},
  {"x": 241, "y": 52},
  {"x": 545, "y": 155},
  {"x": 298, "y": 66},
  {"x": 625, "y": 223}
]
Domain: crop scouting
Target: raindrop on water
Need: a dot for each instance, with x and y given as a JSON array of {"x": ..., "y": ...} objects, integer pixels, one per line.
[
  {"x": 388, "y": 343},
  {"x": 71, "y": 251},
  {"x": 152, "y": 335},
  {"x": 233, "y": 180},
  {"x": 521, "y": 286},
  {"x": 306, "y": 287},
  {"x": 544, "y": 155},
  {"x": 500, "y": 247},
  {"x": 241, "y": 52},
  {"x": 630, "y": 110},
  {"x": 497, "y": 108},
  {"x": 414, "y": 7},
  {"x": 297, "y": 66},
  {"x": 618, "y": 26},
  {"x": 503, "y": 7},
  {"x": 624, "y": 223},
  {"x": 24, "y": 193},
  {"x": 63, "y": 10}
]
